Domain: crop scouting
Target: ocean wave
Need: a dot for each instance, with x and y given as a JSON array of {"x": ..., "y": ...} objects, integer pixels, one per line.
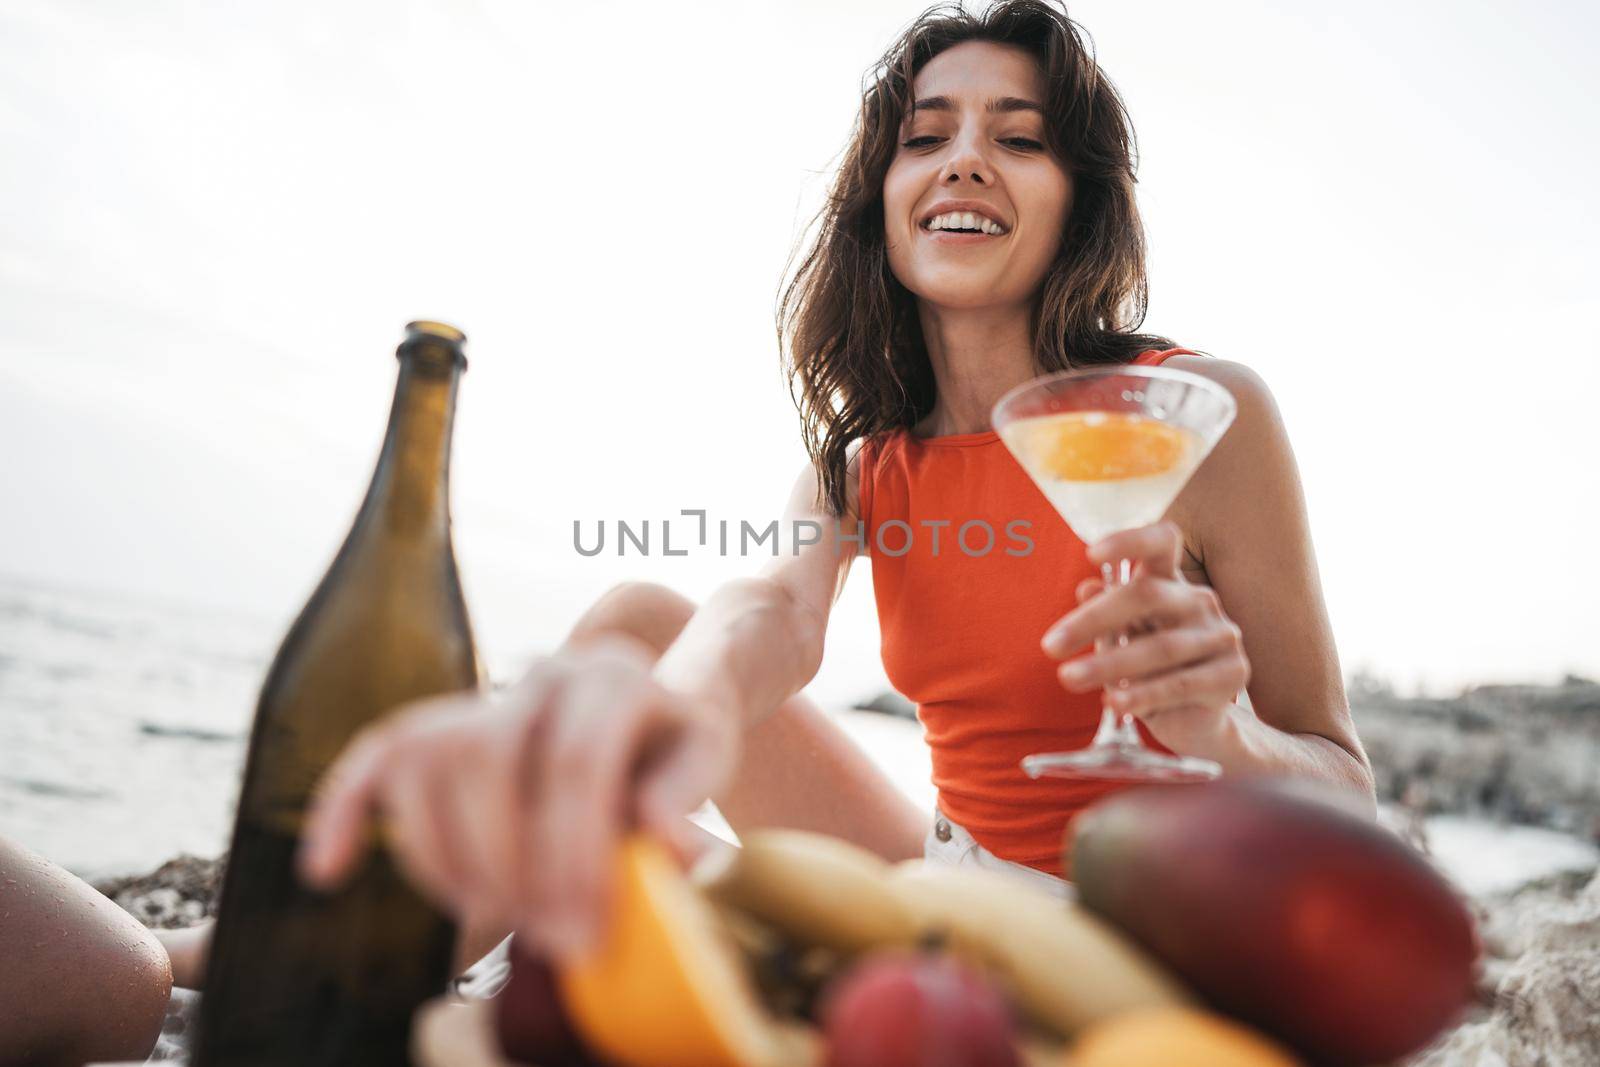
[
  {"x": 42, "y": 788},
  {"x": 192, "y": 733}
]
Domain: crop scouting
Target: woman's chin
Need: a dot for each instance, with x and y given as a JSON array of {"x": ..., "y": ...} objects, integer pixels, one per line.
[{"x": 969, "y": 294}]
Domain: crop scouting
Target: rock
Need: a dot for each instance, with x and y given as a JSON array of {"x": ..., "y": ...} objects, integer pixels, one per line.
[
  {"x": 180, "y": 892},
  {"x": 1519, "y": 753},
  {"x": 1540, "y": 982}
]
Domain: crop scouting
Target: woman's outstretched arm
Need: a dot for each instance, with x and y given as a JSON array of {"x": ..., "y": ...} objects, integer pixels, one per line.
[{"x": 797, "y": 768}]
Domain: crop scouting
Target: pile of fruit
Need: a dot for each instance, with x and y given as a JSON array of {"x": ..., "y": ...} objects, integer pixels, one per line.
[{"x": 1234, "y": 924}]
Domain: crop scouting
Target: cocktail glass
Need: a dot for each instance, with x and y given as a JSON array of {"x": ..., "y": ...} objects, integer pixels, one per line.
[{"x": 1111, "y": 448}]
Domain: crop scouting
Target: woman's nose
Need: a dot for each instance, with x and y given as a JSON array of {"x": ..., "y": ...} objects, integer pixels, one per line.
[{"x": 966, "y": 162}]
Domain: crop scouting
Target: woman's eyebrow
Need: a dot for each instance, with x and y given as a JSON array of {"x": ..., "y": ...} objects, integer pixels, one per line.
[{"x": 998, "y": 104}]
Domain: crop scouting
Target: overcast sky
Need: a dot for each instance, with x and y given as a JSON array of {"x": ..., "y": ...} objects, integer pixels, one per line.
[{"x": 218, "y": 218}]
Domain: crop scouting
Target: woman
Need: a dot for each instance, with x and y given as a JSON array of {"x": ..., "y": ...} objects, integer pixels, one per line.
[{"x": 901, "y": 338}]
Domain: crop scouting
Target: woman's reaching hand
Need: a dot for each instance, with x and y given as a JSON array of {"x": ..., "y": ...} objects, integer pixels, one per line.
[{"x": 507, "y": 809}]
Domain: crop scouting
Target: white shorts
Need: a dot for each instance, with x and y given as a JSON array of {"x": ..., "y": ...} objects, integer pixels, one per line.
[{"x": 949, "y": 845}]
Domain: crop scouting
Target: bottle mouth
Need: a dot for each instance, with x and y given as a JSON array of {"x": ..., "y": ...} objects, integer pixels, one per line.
[
  {"x": 434, "y": 344},
  {"x": 429, "y": 328}
]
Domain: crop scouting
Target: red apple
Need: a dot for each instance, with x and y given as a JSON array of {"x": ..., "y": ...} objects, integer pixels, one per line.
[{"x": 894, "y": 1010}]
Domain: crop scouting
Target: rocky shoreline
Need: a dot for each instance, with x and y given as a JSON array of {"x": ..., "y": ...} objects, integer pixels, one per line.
[{"x": 1519, "y": 754}]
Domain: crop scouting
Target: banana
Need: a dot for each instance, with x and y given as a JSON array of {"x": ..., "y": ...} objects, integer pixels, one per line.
[
  {"x": 817, "y": 890},
  {"x": 1065, "y": 968}
]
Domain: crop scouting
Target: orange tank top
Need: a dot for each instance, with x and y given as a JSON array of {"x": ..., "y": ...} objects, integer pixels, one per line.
[{"x": 970, "y": 566}]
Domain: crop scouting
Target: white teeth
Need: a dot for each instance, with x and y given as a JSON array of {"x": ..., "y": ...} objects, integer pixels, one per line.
[{"x": 965, "y": 220}]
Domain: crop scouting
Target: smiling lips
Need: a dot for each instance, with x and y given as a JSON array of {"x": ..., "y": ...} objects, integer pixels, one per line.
[
  {"x": 960, "y": 223},
  {"x": 964, "y": 221}
]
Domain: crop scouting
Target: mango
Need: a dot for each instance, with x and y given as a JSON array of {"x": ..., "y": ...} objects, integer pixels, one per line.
[{"x": 1283, "y": 910}]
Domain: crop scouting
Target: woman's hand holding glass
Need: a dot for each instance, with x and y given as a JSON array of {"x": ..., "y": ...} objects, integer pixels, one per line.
[
  {"x": 1183, "y": 664},
  {"x": 506, "y": 809}
]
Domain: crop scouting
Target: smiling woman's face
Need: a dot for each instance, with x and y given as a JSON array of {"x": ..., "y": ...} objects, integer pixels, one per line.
[{"x": 974, "y": 144}]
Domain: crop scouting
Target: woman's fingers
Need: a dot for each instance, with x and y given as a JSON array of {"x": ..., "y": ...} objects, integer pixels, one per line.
[
  {"x": 335, "y": 833},
  {"x": 480, "y": 802},
  {"x": 1152, "y": 654},
  {"x": 530, "y": 706},
  {"x": 1208, "y": 685},
  {"x": 497, "y": 795},
  {"x": 1141, "y": 604},
  {"x": 420, "y": 832},
  {"x": 594, "y": 739},
  {"x": 532, "y": 887},
  {"x": 1154, "y": 550}
]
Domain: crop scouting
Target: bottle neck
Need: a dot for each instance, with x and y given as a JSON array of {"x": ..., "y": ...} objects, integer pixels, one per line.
[{"x": 410, "y": 494}]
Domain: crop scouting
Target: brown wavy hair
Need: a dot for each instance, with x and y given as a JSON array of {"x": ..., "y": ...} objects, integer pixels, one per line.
[{"x": 851, "y": 338}]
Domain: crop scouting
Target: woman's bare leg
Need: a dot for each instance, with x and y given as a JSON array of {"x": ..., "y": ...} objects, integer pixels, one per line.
[
  {"x": 80, "y": 979},
  {"x": 798, "y": 769}
]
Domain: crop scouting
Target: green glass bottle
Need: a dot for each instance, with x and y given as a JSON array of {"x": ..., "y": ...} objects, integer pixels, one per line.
[{"x": 298, "y": 977}]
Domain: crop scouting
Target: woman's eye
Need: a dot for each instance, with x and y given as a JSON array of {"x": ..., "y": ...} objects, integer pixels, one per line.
[{"x": 1026, "y": 144}]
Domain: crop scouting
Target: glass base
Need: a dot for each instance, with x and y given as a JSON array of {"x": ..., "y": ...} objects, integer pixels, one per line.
[{"x": 1122, "y": 762}]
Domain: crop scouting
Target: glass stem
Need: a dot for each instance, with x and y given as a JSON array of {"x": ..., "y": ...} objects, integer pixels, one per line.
[{"x": 1116, "y": 728}]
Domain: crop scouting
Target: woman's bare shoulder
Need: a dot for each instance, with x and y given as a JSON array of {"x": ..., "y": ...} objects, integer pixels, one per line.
[
  {"x": 1247, "y": 387},
  {"x": 1257, "y": 425},
  {"x": 1252, "y": 464}
]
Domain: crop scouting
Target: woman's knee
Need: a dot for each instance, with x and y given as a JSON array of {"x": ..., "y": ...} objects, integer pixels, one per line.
[
  {"x": 652, "y": 613},
  {"x": 137, "y": 988},
  {"x": 96, "y": 992}
]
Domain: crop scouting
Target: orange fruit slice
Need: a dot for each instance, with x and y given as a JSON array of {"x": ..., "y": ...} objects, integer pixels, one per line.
[
  {"x": 1097, "y": 446},
  {"x": 666, "y": 988},
  {"x": 1187, "y": 1036}
]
